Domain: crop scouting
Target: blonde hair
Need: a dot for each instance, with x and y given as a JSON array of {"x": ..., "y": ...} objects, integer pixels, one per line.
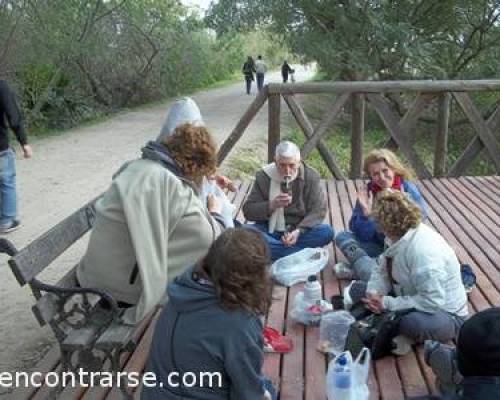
[
  {"x": 390, "y": 159},
  {"x": 396, "y": 213}
]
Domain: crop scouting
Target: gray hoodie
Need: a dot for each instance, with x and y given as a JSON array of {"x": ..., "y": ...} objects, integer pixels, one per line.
[{"x": 195, "y": 334}]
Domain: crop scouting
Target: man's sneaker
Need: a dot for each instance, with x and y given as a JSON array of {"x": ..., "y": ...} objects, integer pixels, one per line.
[
  {"x": 15, "y": 224},
  {"x": 443, "y": 362},
  {"x": 343, "y": 270},
  {"x": 401, "y": 345}
]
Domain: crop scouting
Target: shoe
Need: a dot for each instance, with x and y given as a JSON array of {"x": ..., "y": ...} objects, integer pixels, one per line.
[
  {"x": 401, "y": 345},
  {"x": 343, "y": 270},
  {"x": 14, "y": 225},
  {"x": 443, "y": 362}
]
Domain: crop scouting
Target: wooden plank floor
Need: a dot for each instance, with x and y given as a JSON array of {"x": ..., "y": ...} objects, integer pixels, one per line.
[{"x": 466, "y": 211}]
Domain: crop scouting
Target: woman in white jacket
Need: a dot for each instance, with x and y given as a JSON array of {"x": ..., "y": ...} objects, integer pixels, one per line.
[{"x": 419, "y": 271}]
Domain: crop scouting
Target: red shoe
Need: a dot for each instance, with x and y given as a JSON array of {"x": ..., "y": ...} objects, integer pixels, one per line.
[{"x": 274, "y": 342}]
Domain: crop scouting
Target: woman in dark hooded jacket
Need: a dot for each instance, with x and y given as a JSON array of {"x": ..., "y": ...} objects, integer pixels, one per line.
[{"x": 211, "y": 326}]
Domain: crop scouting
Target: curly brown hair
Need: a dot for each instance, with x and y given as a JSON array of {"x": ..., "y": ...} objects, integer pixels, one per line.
[
  {"x": 237, "y": 264},
  {"x": 396, "y": 213},
  {"x": 392, "y": 161},
  {"x": 194, "y": 150}
]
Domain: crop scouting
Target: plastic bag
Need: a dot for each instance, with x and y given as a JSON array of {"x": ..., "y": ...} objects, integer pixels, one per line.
[
  {"x": 333, "y": 331},
  {"x": 298, "y": 266},
  {"x": 307, "y": 313},
  {"x": 351, "y": 383},
  {"x": 227, "y": 208}
]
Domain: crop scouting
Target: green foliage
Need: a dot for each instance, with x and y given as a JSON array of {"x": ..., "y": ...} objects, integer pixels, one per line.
[
  {"x": 75, "y": 59},
  {"x": 366, "y": 39}
]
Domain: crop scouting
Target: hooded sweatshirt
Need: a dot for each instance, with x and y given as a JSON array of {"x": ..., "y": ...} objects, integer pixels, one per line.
[{"x": 196, "y": 334}]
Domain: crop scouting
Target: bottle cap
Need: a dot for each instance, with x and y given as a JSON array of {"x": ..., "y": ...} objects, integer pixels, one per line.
[{"x": 312, "y": 278}]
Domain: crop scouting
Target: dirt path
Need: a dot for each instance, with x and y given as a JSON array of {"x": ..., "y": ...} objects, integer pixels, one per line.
[{"x": 69, "y": 170}]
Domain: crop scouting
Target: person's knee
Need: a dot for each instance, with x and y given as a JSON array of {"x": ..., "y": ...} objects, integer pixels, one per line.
[
  {"x": 342, "y": 237},
  {"x": 325, "y": 232},
  {"x": 421, "y": 326}
]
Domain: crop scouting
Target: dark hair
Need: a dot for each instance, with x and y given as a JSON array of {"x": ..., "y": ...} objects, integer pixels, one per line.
[
  {"x": 237, "y": 264},
  {"x": 193, "y": 148}
]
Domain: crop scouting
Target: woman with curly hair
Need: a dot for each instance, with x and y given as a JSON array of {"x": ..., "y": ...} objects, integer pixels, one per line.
[
  {"x": 418, "y": 272},
  {"x": 151, "y": 222},
  {"x": 212, "y": 325},
  {"x": 365, "y": 239}
]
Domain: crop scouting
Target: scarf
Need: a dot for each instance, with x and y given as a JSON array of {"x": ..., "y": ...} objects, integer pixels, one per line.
[
  {"x": 277, "y": 219},
  {"x": 157, "y": 152}
]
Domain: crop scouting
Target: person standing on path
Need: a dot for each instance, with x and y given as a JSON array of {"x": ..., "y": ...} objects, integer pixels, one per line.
[
  {"x": 285, "y": 70},
  {"x": 10, "y": 116},
  {"x": 261, "y": 69},
  {"x": 248, "y": 70}
]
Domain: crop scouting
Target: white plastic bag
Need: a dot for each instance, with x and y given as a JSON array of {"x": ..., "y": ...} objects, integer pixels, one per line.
[
  {"x": 227, "y": 208},
  {"x": 298, "y": 266},
  {"x": 357, "y": 389}
]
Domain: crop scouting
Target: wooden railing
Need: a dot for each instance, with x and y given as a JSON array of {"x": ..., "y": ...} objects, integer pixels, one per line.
[{"x": 399, "y": 128}]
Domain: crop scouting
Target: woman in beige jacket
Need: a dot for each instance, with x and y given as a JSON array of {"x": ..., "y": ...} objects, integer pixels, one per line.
[{"x": 151, "y": 223}]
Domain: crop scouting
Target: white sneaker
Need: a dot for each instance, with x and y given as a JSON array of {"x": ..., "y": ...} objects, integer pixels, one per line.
[
  {"x": 402, "y": 345},
  {"x": 343, "y": 270}
]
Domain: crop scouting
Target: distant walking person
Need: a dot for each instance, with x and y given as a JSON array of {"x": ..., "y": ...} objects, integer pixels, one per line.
[
  {"x": 248, "y": 70},
  {"x": 285, "y": 70},
  {"x": 10, "y": 116},
  {"x": 261, "y": 69}
]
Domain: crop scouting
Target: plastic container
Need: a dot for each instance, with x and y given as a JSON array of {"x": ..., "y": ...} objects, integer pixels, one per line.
[
  {"x": 339, "y": 378},
  {"x": 333, "y": 331},
  {"x": 312, "y": 290}
]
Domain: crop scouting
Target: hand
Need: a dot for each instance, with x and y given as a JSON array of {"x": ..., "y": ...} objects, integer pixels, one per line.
[
  {"x": 213, "y": 204},
  {"x": 365, "y": 198},
  {"x": 290, "y": 238},
  {"x": 27, "y": 151},
  {"x": 374, "y": 302},
  {"x": 225, "y": 183},
  {"x": 281, "y": 200}
]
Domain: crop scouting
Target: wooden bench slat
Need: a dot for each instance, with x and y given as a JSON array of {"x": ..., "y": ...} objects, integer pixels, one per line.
[{"x": 35, "y": 257}]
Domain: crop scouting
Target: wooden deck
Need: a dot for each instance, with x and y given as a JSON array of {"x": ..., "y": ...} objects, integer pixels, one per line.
[{"x": 466, "y": 211}]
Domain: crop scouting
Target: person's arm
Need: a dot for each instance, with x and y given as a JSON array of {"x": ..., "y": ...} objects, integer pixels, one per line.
[
  {"x": 315, "y": 203},
  {"x": 13, "y": 113},
  {"x": 363, "y": 227},
  {"x": 256, "y": 207},
  {"x": 417, "y": 198},
  {"x": 426, "y": 276},
  {"x": 243, "y": 364}
]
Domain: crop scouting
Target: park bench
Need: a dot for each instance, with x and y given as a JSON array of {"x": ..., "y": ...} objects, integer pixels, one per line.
[{"x": 85, "y": 321}]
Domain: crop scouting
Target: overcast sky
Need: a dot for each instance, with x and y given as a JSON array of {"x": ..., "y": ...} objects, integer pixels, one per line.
[{"x": 200, "y": 3}]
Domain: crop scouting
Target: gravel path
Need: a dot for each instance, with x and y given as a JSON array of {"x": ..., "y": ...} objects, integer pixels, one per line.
[{"x": 70, "y": 169}]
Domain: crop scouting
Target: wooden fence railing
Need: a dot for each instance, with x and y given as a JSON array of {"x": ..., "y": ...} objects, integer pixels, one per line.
[{"x": 400, "y": 129}]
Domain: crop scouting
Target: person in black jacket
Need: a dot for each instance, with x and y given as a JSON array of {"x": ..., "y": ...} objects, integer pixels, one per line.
[
  {"x": 248, "y": 71},
  {"x": 212, "y": 325},
  {"x": 10, "y": 116},
  {"x": 285, "y": 70}
]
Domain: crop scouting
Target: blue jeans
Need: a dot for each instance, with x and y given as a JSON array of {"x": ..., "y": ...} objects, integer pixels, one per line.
[
  {"x": 358, "y": 254},
  {"x": 318, "y": 236},
  {"x": 260, "y": 81},
  {"x": 8, "y": 199},
  {"x": 268, "y": 385}
]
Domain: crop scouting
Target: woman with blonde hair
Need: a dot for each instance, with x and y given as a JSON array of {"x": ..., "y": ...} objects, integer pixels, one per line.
[
  {"x": 364, "y": 240},
  {"x": 151, "y": 223},
  {"x": 418, "y": 272}
]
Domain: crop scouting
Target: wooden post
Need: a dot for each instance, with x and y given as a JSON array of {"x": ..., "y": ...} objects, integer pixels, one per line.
[
  {"x": 441, "y": 149},
  {"x": 273, "y": 137},
  {"x": 357, "y": 134}
]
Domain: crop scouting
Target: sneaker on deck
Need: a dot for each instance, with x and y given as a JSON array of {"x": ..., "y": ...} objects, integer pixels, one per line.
[
  {"x": 14, "y": 225},
  {"x": 343, "y": 270}
]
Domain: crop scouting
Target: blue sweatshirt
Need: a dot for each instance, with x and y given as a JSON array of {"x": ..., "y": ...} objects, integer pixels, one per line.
[
  {"x": 195, "y": 334},
  {"x": 365, "y": 229}
]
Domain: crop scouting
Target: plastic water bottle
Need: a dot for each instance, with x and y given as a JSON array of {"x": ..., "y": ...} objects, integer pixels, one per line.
[
  {"x": 312, "y": 290},
  {"x": 340, "y": 379}
]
